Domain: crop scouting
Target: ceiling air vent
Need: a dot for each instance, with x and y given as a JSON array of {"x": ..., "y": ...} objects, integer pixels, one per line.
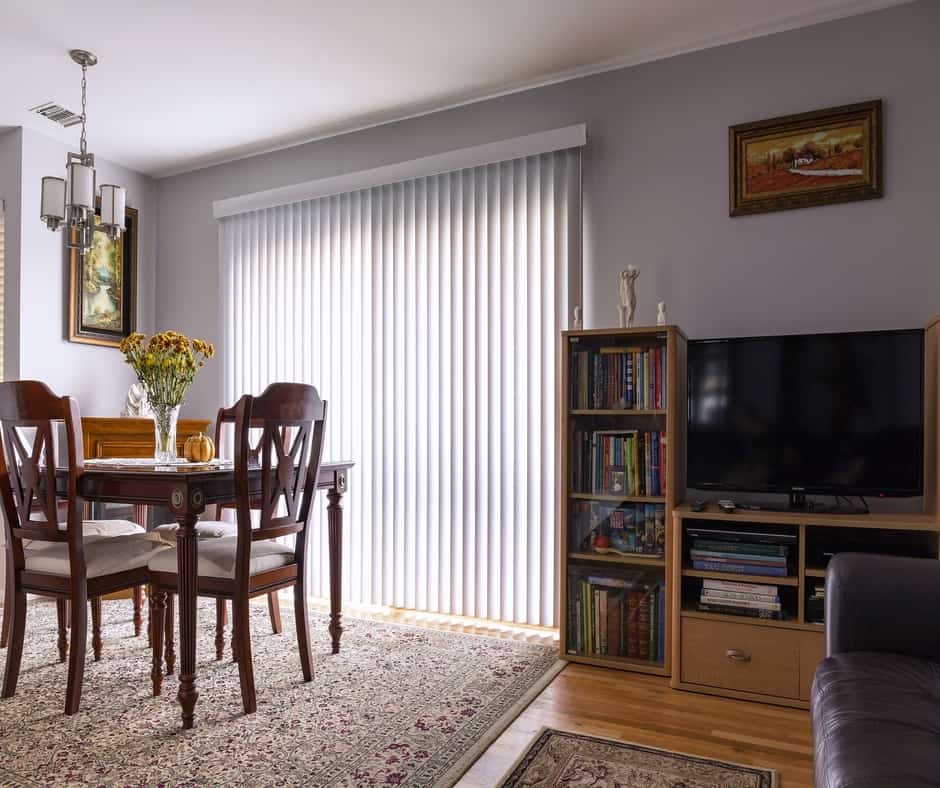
[{"x": 55, "y": 113}]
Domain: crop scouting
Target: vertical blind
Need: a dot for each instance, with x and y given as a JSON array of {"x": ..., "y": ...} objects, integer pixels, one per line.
[{"x": 427, "y": 313}]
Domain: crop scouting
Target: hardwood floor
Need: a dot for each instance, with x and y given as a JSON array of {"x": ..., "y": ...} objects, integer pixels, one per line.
[{"x": 645, "y": 710}]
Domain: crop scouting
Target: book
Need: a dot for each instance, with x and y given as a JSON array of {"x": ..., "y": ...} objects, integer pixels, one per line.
[
  {"x": 740, "y": 603},
  {"x": 615, "y": 624},
  {"x": 643, "y": 624},
  {"x": 712, "y": 593},
  {"x": 734, "y": 611},
  {"x": 633, "y": 610},
  {"x": 737, "y": 558},
  {"x": 740, "y": 569},
  {"x": 731, "y": 585}
]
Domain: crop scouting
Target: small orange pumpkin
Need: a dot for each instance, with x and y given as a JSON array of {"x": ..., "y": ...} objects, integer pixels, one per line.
[{"x": 199, "y": 448}]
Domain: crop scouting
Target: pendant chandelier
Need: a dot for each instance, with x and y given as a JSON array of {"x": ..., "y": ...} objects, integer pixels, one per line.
[{"x": 70, "y": 201}]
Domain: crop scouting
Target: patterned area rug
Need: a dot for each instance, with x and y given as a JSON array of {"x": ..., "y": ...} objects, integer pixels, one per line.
[
  {"x": 557, "y": 759},
  {"x": 399, "y": 706}
]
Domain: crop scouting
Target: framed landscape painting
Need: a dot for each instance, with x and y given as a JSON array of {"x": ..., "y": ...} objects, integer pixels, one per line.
[
  {"x": 103, "y": 287},
  {"x": 815, "y": 158}
]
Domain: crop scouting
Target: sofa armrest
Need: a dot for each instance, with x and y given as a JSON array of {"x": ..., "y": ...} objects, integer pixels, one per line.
[{"x": 883, "y": 603}]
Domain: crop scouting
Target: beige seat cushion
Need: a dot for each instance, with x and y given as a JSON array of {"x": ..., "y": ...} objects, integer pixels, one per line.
[
  {"x": 205, "y": 529},
  {"x": 110, "y": 528},
  {"x": 104, "y": 555},
  {"x": 217, "y": 557},
  {"x": 97, "y": 528}
]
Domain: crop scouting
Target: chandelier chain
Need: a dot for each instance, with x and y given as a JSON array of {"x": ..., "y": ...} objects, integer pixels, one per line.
[{"x": 84, "y": 84}]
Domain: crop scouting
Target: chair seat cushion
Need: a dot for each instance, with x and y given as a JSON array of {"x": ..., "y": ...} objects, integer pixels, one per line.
[
  {"x": 205, "y": 529},
  {"x": 217, "y": 557},
  {"x": 110, "y": 528},
  {"x": 104, "y": 555},
  {"x": 876, "y": 721},
  {"x": 96, "y": 528}
]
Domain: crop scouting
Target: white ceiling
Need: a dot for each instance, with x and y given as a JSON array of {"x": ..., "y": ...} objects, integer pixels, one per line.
[{"x": 184, "y": 84}]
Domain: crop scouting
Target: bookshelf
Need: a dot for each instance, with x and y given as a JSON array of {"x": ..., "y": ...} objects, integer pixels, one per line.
[
  {"x": 621, "y": 465},
  {"x": 769, "y": 659}
]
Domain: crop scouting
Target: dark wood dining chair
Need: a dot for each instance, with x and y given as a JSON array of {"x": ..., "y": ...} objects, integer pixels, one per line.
[
  {"x": 46, "y": 557},
  {"x": 291, "y": 418},
  {"x": 213, "y": 529}
]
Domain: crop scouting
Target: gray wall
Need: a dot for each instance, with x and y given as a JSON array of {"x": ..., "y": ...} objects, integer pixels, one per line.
[
  {"x": 655, "y": 187},
  {"x": 96, "y": 376},
  {"x": 11, "y": 166}
]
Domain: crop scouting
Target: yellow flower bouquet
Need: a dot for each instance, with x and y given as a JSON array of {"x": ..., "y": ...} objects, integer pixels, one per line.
[{"x": 166, "y": 366}]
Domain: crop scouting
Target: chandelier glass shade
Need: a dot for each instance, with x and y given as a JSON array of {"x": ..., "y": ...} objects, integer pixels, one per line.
[{"x": 70, "y": 202}]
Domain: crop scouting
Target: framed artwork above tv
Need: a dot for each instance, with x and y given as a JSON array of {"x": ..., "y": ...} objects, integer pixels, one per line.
[{"x": 814, "y": 158}]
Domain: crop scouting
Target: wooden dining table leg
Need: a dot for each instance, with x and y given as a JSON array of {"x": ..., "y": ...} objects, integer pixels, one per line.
[
  {"x": 186, "y": 564},
  {"x": 334, "y": 513}
]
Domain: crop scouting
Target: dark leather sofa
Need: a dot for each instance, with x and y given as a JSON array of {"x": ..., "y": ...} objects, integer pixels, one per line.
[{"x": 876, "y": 697}]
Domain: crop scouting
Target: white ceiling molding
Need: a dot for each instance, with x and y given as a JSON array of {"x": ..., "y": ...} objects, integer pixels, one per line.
[{"x": 490, "y": 153}]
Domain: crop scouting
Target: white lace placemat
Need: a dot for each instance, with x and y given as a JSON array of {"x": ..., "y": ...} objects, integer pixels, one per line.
[{"x": 147, "y": 462}]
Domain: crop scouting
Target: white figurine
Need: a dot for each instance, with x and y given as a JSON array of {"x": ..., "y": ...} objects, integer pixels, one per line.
[
  {"x": 628, "y": 296},
  {"x": 661, "y": 313},
  {"x": 578, "y": 319},
  {"x": 136, "y": 403}
]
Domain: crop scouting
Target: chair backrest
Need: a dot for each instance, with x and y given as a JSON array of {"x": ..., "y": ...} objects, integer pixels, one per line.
[
  {"x": 291, "y": 419},
  {"x": 30, "y": 416}
]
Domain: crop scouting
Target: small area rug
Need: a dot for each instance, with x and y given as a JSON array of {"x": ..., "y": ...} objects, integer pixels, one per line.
[
  {"x": 558, "y": 759},
  {"x": 400, "y": 705}
]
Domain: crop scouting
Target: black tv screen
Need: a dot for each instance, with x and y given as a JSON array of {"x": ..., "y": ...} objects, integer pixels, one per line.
[{"x": 822, "y": 413}]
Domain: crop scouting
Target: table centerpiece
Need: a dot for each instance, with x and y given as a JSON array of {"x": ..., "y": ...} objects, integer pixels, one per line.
[{"x": 166, "y": 366}]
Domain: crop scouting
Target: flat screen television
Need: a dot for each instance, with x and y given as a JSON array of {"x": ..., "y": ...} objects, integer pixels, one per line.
[{"x": 824, "y": 414}]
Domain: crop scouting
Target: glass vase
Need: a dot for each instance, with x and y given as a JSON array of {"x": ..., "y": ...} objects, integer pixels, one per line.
[{"x": 164, "y": 429}]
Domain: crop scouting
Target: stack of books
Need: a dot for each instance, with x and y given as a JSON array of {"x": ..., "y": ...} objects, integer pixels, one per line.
[
  {"x": 619, "y": 378},
  {"x": 619, "y": 462},
  {"x": 740, "y": 599},
  {"x": 740, "y": 552},
  {"x": 617, "y": 617},
  {"x": 624, "y": 529}
]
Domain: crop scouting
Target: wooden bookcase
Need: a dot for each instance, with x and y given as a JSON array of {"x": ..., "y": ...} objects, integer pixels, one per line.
[
  {"x": 579, "y": 561},
  {"x": 766, "y": 659}
]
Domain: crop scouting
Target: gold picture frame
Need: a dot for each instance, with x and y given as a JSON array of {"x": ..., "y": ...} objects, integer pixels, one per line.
[
  {"x": 814, "y": 158},
  {"x": 102, "y": 312}
]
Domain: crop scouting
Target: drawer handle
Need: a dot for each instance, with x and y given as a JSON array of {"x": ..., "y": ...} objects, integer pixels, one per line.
[{"x": 737, "y": 656}]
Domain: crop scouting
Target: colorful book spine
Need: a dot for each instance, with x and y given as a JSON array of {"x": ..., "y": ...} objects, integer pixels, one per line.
[{"x": 643, "y": 625}]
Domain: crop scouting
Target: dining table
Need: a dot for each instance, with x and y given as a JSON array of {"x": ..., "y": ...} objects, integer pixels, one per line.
[{"x": 187, "y": 489}]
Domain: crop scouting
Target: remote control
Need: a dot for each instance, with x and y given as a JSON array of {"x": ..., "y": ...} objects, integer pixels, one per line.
[{"x": 726, "y": 506}]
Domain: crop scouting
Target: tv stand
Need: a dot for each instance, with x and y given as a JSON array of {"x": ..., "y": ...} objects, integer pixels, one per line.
[{"x": 781, "y": 654}]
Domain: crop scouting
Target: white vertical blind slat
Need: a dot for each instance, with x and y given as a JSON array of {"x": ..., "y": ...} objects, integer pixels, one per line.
[{"x": 427, "y": 313}]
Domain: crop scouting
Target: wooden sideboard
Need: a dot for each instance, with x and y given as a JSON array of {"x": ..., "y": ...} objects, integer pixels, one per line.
[{"x": 131, "y": 437}]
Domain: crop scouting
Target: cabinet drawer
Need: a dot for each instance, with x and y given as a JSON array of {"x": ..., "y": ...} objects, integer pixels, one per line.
[{"x": 745, "y": 657}]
